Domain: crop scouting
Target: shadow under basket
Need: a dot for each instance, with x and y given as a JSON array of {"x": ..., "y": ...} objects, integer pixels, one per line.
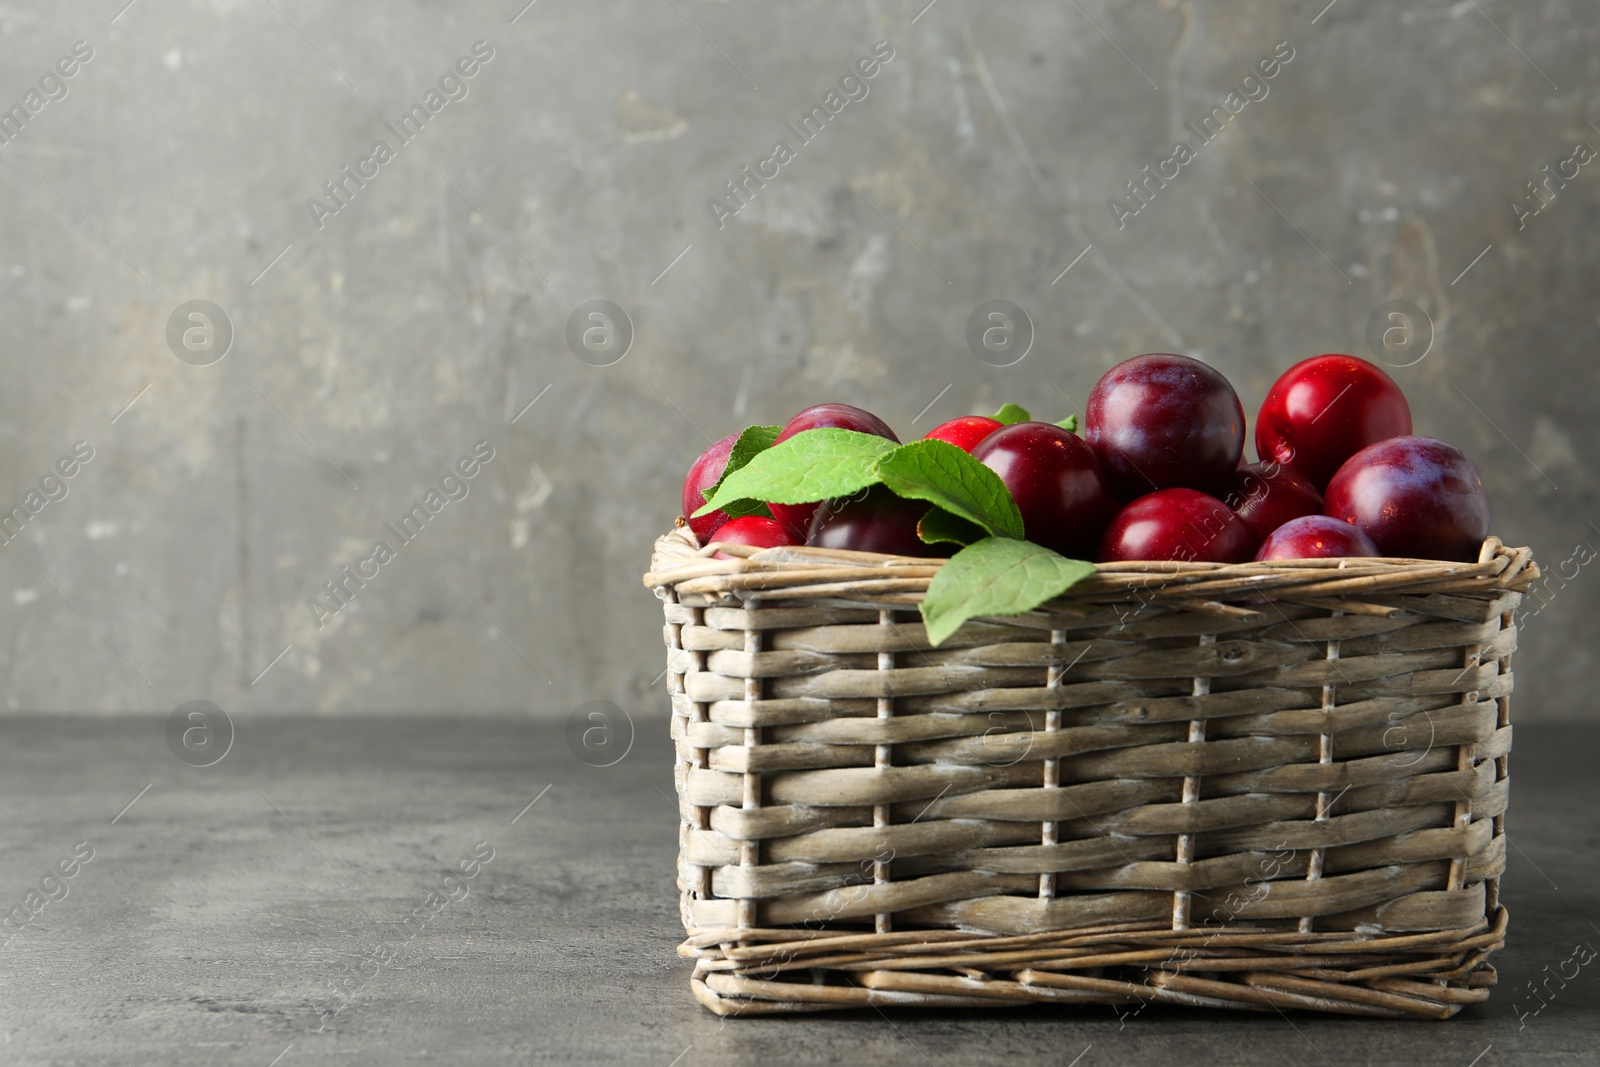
[{"x": 1256, "y": 786}]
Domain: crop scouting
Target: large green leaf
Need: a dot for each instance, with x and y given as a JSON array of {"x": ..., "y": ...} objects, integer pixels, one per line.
[
  {"x": 812, "y": 465},
  {"x": 996, "y": 576},
  {"x": 938, "y": 526},
  {"x": 942, "y": 474},
  {"x": 752, "y": 441}
]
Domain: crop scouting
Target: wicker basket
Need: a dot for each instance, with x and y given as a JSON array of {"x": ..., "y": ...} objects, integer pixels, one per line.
[{"x": 1258, "y": 786}]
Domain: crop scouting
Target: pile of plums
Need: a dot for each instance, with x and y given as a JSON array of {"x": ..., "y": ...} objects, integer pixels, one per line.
[{"x": 1159, "y": 474}]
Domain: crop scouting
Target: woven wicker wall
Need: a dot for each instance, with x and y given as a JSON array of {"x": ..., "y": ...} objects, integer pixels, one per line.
[{"x": 1296, "y": 748}]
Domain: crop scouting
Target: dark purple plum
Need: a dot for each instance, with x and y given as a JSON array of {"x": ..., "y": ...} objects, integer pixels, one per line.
[
  {"x": 1315, "y": 537},
  {"x": 1056, "y": 481},
  {"x": 705, "y": 473},
  {"x": 1267, "y": 495},
  {"x": 874, "y": 520},
  {"x": 1163, "y": 421},
  {"x": 1416, "y": 497},
  {"x": 1178, "y": 524}
]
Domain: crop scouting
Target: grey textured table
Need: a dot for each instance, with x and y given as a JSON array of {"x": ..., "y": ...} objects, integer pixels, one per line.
[{"x": 258, "y": 908}]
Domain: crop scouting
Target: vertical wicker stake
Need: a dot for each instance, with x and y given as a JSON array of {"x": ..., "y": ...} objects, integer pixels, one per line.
[
  {"x": 883, "y": 757},
  {"x": 1324, "y": 757},
  {"x": 1191, "y": 793},
  {"x": 1466, "y": 759},
  {"x": 750, "y": 851},
  {"x": 1052, "y": 766},
  {"x": 700, "y": 820},
  {"x": 1491, "y": 889}
]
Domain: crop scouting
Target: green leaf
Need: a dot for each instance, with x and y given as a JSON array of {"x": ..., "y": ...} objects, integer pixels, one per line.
[
  {"x": 996, "y": 576},
  {"x": 938, "y": 526},
  {"x": 738, "y": 509},
  {"x": 1069, "y": 423},
  {"x": 812, "y": 465},
  {"x": 752, "y": 441},
  {"x": 1010, "y": 413},
  {"x": 942, "y": 474}
]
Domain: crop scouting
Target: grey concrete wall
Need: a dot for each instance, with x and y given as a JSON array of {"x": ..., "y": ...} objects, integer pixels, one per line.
[{"x": 373, "y": 345}]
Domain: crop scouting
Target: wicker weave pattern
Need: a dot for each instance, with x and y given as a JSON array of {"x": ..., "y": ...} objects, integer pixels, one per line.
[{"x": 1253, "y": 786}]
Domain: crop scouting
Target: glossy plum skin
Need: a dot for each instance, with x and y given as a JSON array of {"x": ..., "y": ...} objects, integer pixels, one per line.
[
  {"x": 757, "y": 531},
  {"x": 796, "y": 518},
  {"x": 1164, "y": 421},
  {"x": 1056, "y": 480},
  {"x": 1416, "y": 497},
  {"x": 1315, "y": 537},
  {"x": 1177, "y": 524},
  {"x": 966, "y": 433},
  {"x": 871, "y": 521},
  {"x": 1325, "y": 409},
  {"x": 703, "y": 474},
  {"x": 1267, "y": 495}
]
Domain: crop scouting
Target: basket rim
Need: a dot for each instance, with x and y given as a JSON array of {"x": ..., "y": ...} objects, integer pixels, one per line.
[{"x": 681, "y": 564}]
